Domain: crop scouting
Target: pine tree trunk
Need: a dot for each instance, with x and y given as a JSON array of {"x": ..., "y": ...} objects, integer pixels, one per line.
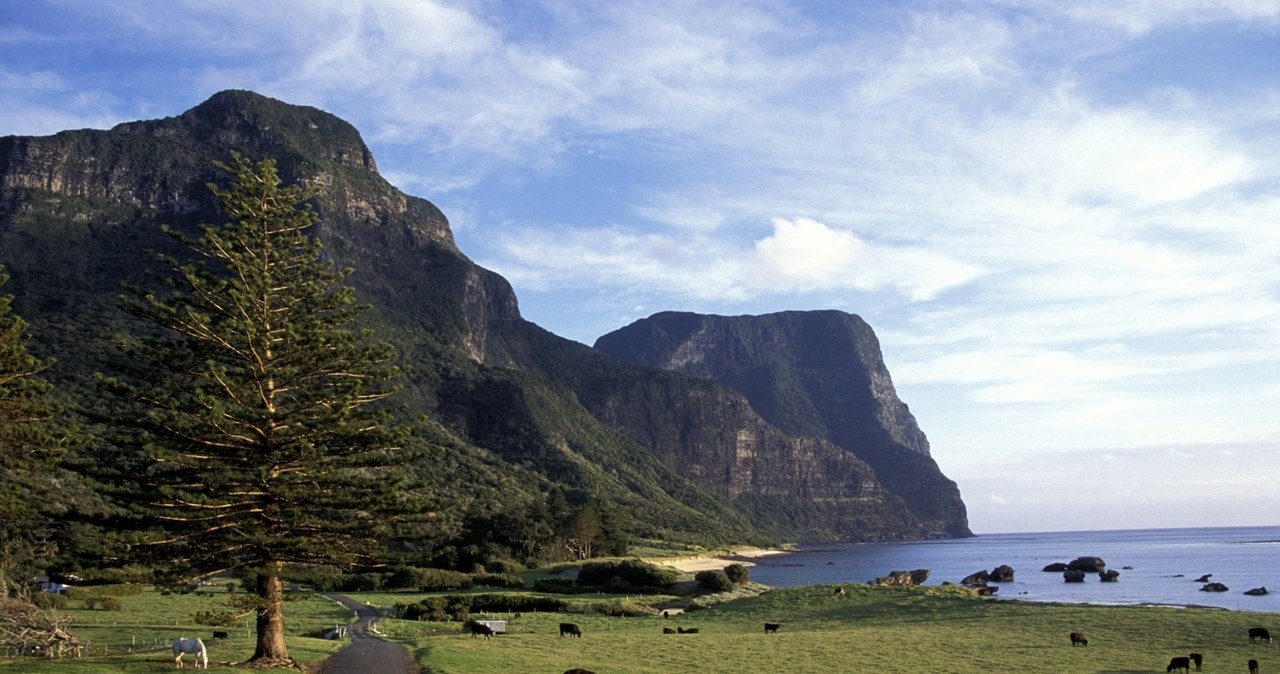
[{"x": 271, "y": 651}]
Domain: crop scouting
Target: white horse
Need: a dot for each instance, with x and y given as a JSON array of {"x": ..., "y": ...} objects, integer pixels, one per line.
[{"x": 183, "y": 645}]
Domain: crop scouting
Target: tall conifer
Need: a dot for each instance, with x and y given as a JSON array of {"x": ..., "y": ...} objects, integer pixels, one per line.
[
  {"x": 30, "y": 442},
  {"x": 252, "y": 429}
]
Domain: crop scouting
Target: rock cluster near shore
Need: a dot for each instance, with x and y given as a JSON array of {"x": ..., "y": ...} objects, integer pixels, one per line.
[{"x": 916, "y": 577}]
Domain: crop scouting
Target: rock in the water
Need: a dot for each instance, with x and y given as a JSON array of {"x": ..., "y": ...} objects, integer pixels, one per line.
[
  {"x": 916, "y": 577},
  {"x": 1109, "y": 576},
  {"x": 1205, "y": 578},
  {"x": 1087, "y": 564},
  {"x": 976, "y": 578},
  {"x": 1256, "y": 592},
  {"x": 1214, "y": 587},
  {"x": 1073, "y": 576},
  {"x": 1002, "y": 574},
  {"x": 1056, "y": 567}
]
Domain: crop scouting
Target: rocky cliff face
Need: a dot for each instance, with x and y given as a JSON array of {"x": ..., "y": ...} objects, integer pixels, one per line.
[
  {"x": 522, "y": 409},
  {"x": 817, "y": 375}
]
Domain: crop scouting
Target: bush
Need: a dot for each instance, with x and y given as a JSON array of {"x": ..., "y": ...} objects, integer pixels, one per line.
[
  {"x": 113, "y": 590},
  {"x": 497, "y": 580},
  {"x": 620, "y": 608},
  {"x": 631, "y": 575},
  {"x": 435, "y": 580},
  {"x": 553, "y": 585},
  {"x": 714, "y": 581},
  {"x": 445, "y": 608},
  {"x": 738, "y": 574},
  {"x": 48, "y": 600}
]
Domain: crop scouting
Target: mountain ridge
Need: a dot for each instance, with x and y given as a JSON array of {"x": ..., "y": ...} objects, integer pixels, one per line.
[{"x": 524, "y": 410}]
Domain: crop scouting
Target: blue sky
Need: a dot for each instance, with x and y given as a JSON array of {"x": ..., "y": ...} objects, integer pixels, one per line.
[{"x": 1062, "y": 219}]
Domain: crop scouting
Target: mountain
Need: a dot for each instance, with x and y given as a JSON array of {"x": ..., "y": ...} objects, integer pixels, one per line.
[
  {"x": 813, "y": 374},
  {"x": 522, "y": 412}
]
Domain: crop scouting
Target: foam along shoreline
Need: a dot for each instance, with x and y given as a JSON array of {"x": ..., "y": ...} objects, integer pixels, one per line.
[{"x": 716, "y": 562}]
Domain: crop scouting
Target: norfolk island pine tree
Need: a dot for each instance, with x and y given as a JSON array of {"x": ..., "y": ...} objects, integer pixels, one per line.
[{"x": 250, "y": 422}]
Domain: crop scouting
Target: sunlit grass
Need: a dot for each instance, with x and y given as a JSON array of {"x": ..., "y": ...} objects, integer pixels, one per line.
[
  {"x": 138, "y": 637},
  {"x": 933, "y": 629},
  {"x": 867, "y": 630}
]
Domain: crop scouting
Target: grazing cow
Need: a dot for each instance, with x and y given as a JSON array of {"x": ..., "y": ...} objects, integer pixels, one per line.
[
  {"x": 1253, "y": 667},
  {"x": 839, "y": 590},
  {"x": 1197, "y": 659},
  {"x": 771, "y": 628},
  {"x": 1077, "y": 639},
  {"x": 571, "y": 629},
  {"x": 183, "y": 645},
  {"x": 668, "y": 630},
  {"x": 578, "y": 670},
  {"x": 691, "y": 630},
  {"x": 478, "y": 629},
  {"x": 219, "y": 634},
  {"x": 1181, "y": 664},
  {"x": 1259, "y": 634}
]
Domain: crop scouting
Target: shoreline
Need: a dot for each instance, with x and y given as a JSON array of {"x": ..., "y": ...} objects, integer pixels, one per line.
[{"x": 746, "y": 556}]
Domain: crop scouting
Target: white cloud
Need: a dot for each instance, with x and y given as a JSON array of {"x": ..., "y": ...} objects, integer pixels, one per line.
[{"x": 801, "y": 255}]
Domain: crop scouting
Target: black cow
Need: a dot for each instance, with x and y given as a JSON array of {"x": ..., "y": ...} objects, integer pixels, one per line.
[
  {"x": 571, "y": 629},
  {"x": 1253, "y": 667},
  {"x": 1259, "y": 634},
  {"x": 668, "y": 630},
  {"x": 1182, "y": 664},
  {"x": 219, "y": 634},
  {"x": 578, "y": 670},
  {"x": 1197, "y": 659},
  {"x": 771, "y": 628},
  {"x": 691, "y": 630},
  {"x": 1077, "y": 639},
  {"x": 478, "y": 629}
]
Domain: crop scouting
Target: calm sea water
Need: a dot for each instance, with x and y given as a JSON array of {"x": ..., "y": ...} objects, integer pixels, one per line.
[{"x": 1157, "y": 566}]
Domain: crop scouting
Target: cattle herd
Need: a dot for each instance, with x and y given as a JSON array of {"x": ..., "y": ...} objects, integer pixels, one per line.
[
  {"x": 1185, "y": 663},
  {"x": 1180, "y": 663}
]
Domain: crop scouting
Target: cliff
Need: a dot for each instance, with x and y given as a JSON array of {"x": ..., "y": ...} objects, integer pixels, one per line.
[{"x": 816, "y": 375}]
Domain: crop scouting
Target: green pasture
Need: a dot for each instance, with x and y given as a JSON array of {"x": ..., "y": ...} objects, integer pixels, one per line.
[
  {"x": 137, "y": 637},
  {"x": 868, "y": 629}
]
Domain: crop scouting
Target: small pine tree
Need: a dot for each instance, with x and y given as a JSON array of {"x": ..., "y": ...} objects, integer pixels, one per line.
[{"x": 250, "y": 415}]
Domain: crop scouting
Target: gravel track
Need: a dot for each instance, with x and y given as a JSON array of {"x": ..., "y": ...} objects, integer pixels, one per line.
[{"x": 367, "y": 653}]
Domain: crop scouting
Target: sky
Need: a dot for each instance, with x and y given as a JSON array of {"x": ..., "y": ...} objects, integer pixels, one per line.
[{"x": 1062, "y": 219}]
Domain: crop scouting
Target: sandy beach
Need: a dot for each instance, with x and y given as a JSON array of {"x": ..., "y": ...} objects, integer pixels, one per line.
[{"x": 745, "y": 556}]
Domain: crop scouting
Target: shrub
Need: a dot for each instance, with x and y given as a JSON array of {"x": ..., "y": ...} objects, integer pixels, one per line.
[
  {"x": 620, "y": 608},
  {"x": 714, "y": 581},
  {"x": 48, "y": 600},
  {"x": 738, "y": 573},
  {"x": 497, "y": 580},
  {"x": 444, "y": 608},
  {"x": 627, "y": 575},
  {"x": 435, "y": 580}
]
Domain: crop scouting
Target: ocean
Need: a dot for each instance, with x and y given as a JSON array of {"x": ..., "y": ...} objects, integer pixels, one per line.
[{"x": 1157, "y": 566}]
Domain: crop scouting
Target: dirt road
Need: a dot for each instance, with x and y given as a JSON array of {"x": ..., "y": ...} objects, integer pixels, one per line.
[{"x": 367, "y": 654}]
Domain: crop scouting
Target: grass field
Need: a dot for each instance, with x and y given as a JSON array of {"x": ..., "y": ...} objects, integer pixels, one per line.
[
  {"x": 137, "y": 637},
  {"x": 867, "y": 629}
]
